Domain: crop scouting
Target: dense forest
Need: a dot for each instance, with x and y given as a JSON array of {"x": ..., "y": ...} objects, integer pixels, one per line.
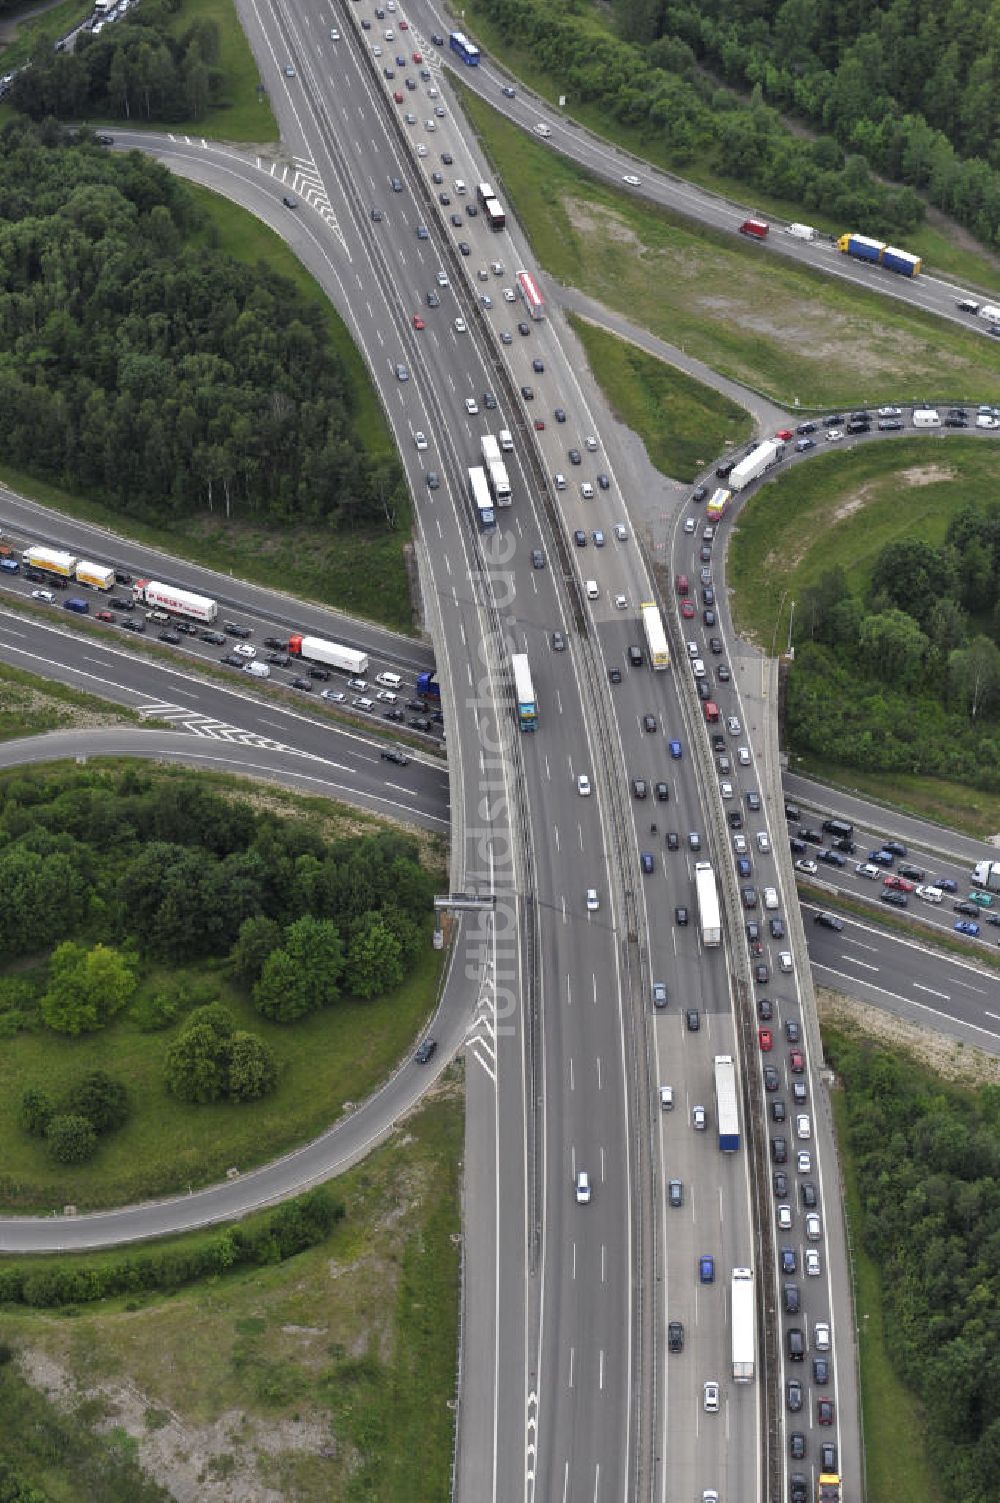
[
  {"x": 142, "y": 367},
  {"x": 914, "y": 89},
  {"x": 928, "y": 1169},
  {"x": 907, "y": 677},
  {"x": 136, "y": 69},
  {"x": 661, "y": 91}
]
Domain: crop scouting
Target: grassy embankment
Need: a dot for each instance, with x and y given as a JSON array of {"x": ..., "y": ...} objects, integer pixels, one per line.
[
  {"x": 941, "y": 253},
  {"x": 327, "y": 1378},
  {"x": 843, "y": 508}
]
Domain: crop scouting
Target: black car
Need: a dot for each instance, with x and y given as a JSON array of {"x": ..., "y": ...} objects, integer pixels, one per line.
[
  {"x": 232, "y": 629},
  {"x": 649, "y": 723},
  {"x": 779, "y": 1150},
  {"x": 699, "y": 493},
  {"x": 277, "y": 643},
  {"x": 447, "y": 158},
  {"x": 187, "y": 628},
  {"x": 834, "y": 420},
  {"x": 797, "y": 847},
  {"x": 735, "y": 819},
  {"x": 172, "y": 637},
  {"x": 465, "y": 247},
  {"x": 809, "y": 1197},
  {"x": 456, "y": 220},
  {"x": 777, "y": 928},
  {"x": 558, "y": 645},
  {"x": 714, "y": 646},
  {"x": 433, "y": 299},
  {"x": 523, "y": 328},
  {"x": 828, "y": 921},
  {"x": 132, "y": 625},
  {"x": 302, "y": 683},
  {"x": 792, "y": 1297},
  {"x": 419, "y": 722},
  {"x": 821, "y": 1371},
  {"x": 970, "y": 910},
  {"x": 895, "y": 846},
  {"x": 895, "y": 899},
  {"x": 528, "y": 393},
  {"x": 393, "y": 715},
  {"x": 912, "y": 873},
  {"x": 105, "y": 140},
  {"x": 722, "y": 674},
  {"x": 753, "y": 801},
  {"x": 615, "y": 675},
  {"x": 425, "y": 1051},
  {"x": 661, "y": 792},
  {"x": 798, "y": 1488},
  {"x": 792, "y": 1031},
  {"x": 765, "y": 1011},
  {"x": 417, "y": 706},
  {"x": 681, "y": 915},
  {"x": 320, "y": 673},
  {"x": 831, "y": 858},
  {"x": 675, "y": 1336},
  {"x": 692, "y": 1019},
  {"x": 635, "y": 655},
  {"x": 772, "y": 1081},
  {"x": 804, "y": 428},
  {"x": 279, "y": 659},
  {"x": 394, "y": 754},
  {"x": 797, "y": 1446},
  {"x": 804, "y": 833},
  {"x": 229, "y": 658},
  {"x": 793, "y": 1395},
  {"x": 213, "y": 638},
  {"x": 889, "y": 425},
  {"x": 779, "y": 1184}
]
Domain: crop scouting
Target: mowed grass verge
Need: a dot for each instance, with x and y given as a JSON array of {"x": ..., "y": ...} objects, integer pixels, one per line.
[
  {"x": 361, "y": 572},
  {"x": 897, "y": 1464},
  {"x": 842, "y": 508},
  {"x": 682, "y": 423},
  {"x": 327, "y": 1061},
  {"x": 952, "y": 805},
  {"x": 327, "y": 1378},
  {"x": 787, "y": 332},
  {"x": 30, "y": 706},
  {"x": 930, "y": 242}
]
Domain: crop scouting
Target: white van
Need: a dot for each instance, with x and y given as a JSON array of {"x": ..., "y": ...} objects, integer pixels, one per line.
[
  {"x": 257, "y": 670},
  {"x": 505, "y": 441},
  {"x": 770, "y": 897},
  {"x": 388, "y": 680},
  {"x": 459, "y": 187},
  {"x": 593, "y": 593},
  {"x": 667, "y": 1098},
  {"x": 926, "y": 417},
  {"x": 931, "y": 894}
]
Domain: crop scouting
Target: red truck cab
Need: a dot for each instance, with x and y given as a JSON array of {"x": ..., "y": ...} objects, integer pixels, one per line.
[
  {"x": 758, "y": 228},
  {"x": 711, "y": 712}
]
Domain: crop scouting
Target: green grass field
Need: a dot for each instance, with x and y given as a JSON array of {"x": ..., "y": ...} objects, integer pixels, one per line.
[
  {"x": 843, "y": 508},
  {"x": 940, "y": 252},
  {"x": 897, "y": 1465},
  {"x": 326, "y": 1061},
  {"x": 30, "y": 706},
  {"x": 241, "y": 1383},
  {"x": 682, "y": 423},
  {"x": 953, "y": 805},
  {"x": 795, "y": 335}
]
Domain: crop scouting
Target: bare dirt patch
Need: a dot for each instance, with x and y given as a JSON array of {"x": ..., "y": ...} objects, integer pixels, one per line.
[
  {"x": 926, "y": 474},
  {"x": 588, "y": 218},
  {"x": 213, "y": 1463},
  {"x": 952, "y": 1060}
]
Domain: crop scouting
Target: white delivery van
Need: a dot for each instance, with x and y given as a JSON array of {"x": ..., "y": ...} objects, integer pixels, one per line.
[
  {"x": 505, "y": 441},
  {"x": 593, "y": 593},
  {"x": 257, "y": 670},
  {"x": 388, "y": 680},
  {"x": 459, "y": 187},
  {"x": 926, "y": 417},
  {"x": 931, "y": 894}
]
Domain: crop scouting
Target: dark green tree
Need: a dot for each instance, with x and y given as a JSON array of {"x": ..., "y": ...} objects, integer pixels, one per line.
[
  {"x": 71, "y": 1139},
  {"x": 102, "y": 1100}
]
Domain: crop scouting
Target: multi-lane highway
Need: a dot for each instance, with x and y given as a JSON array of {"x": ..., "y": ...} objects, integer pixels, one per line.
[{"x": 569, "y": 1391}]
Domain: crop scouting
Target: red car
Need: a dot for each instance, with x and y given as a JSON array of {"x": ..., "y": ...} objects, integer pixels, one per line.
[
  {"x": 766, "y": 1040},
  {"x": 404, "y": 25},
  {"x": 824, "y": 1411},
  {"x": 795, "y": 1062},
  {"x": 418, "y": 322},
  {"x": 687, "y": 609},
  {"x": 539, "y": 425},
  {"x": 418, "y": 57},
  {"x": 104, "y": 616},
  {"x": 785, "y": 434},
  {"x": 900, "y": 884},
  {"x": 398, "y": 97}
]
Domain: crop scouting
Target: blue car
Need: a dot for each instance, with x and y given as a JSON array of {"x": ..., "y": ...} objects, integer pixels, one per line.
[
  {"x": 706, "y": 1269},
  {"x": 648, "y": 864},
  {"x": 966, "y": 926},
  {"x": 946, "y": 884},
  {"x": 881, "y": 858},
  {"x": 675, "y": 750},
  {"x": 743, "y": 867}
]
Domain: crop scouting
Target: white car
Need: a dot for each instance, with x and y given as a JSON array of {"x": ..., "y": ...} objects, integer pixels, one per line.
[
  {"x": 559, "y": 480},
  {"x": 833, "y": 435},
  {"x": 814, "y": 1227},
  {"x": 486, "y": 300},
  {"x": 421, "y": 149},
  {"x": 984, "y": 420},
  {"x": 460, "y": 325},
  {"x": 631, "y": 179},
  {"x": 726, "y": 789},
  {"x": 784, "y": 1218},
  {"x": 541, "y": 129},
  {"x": 770, "y": 898},
  {"x": 334, "y": 34},
  {"x": 442, "y": 279},
  {"x": 740, "y": 845},
  {"x": 593, "y": 901},
  {"x": 376, "y": 50},
  {"x": 813, "y": 1266},
  {"x": 698, "y": 668},
  {"x": 621, "y": 602},
  {"x": 743, "y": 756},
  {"x": 430, "y": 125},
  {"x": 699, "y": 1119},
  {"x": 583, "y": 1188},
  {"x": 386, "y": 696},
  {"x": 590, "y": 443},
  {"x": 867, "y": 869},
  {"x": 890, "y": 412},
  {"x": 621, "y": 532},
  {"x": 420, "y": 439},
  {"x": 803, "y": 1126},
  {"x": 732, "y": 725},
  {"x": 583, "y": 785},
  {"x": 693, "y": 649},
  {"x": 244, "y": 650},
  {"x": 587, "y": 491},
  {"x": 763, "y": 842},
  {"x": 508, "y": 294},
  {"x": 471, "y": 406},
  {"x": 711, "y": 1397},
  {"x": 807, "y": 866},
  {"x": 390, "y": 35},
  {"x": 804, "y": 1161},
  {"x": 785, "y": 961},
  {"x": 43, "y": 595},
  {"x": 689, "y": 524},
  {"x": 821, "y": 1336}
]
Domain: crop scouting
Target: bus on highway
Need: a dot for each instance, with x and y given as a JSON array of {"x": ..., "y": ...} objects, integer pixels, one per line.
[
  {"x": 524, "y": 691},
  {"x": 716, "y": 508},
  {"x": 467, "y": 51},
  {"x": 481, "y": 499},
  {"x": 656, "y": 637},
  {"x": 530, "y": 295}
]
